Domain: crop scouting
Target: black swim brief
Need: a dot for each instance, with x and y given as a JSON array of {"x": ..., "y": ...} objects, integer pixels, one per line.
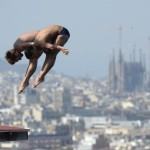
[
  {"x": 64, "y": 31},
  {"x": 28, "y": 52}
]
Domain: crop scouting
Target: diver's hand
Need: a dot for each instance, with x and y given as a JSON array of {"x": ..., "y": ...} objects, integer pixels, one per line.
[{"x": 64, "y": 50}]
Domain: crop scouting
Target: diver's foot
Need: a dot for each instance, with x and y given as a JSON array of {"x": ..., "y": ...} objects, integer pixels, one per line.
[
  {"x": 37, "y": 81},
  {"x": 22, "y": 86}
]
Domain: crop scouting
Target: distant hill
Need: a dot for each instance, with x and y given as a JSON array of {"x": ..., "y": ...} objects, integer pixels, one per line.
[{"x": 20, "y": 68}]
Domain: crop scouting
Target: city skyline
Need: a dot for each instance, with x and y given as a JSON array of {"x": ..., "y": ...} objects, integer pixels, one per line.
[{"x": 63, "y": 107}]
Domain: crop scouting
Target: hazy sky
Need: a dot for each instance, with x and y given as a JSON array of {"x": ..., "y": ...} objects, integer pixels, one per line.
[{"x": 93, "y": 25}]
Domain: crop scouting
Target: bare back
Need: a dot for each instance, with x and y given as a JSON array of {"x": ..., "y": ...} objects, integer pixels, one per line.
[
  {"x": 27, "y": 37},
  {"x": 48, "y": 34},
  {"x": 24, "y": 40}
]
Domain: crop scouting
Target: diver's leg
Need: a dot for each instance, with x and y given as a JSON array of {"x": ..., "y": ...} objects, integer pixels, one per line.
[
  {"x": 59, "y": 42},
  {"x": 50, "y": 59},
  {"x": 48, "y": 64}
]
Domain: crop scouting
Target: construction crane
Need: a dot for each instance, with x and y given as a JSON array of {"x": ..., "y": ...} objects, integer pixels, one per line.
[{"x": 120, "y": 28}]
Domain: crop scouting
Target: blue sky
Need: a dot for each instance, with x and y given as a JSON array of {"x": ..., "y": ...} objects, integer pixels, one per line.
[{"x": 93, "y": 25}]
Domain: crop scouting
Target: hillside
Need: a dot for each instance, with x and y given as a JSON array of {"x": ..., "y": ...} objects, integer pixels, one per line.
[{"x": 20, "y": 68}]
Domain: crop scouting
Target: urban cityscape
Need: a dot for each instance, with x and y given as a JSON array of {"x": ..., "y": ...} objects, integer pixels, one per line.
[{"x": 69, "y": 113}]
